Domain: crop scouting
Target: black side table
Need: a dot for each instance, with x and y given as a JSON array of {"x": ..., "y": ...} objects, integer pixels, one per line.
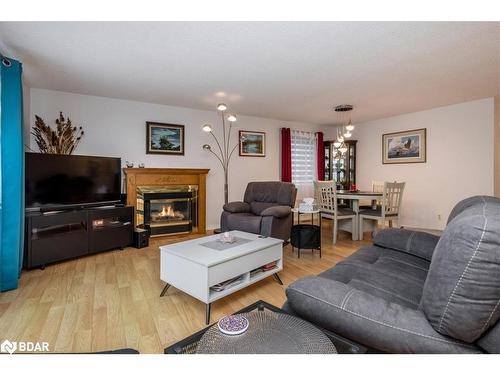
[{"x": 306, "y": 236}]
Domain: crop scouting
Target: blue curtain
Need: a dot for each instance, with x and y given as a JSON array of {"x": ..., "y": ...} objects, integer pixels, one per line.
[{"x": 11, "y": 173}]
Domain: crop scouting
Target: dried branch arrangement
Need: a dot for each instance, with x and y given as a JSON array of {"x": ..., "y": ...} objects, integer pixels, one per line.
[{"x": 63, "y": 140}]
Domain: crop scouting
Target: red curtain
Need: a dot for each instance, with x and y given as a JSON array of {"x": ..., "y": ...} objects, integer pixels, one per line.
[
  {"x": 320, "y": 156},
  {"x": 286, "y": 155}
]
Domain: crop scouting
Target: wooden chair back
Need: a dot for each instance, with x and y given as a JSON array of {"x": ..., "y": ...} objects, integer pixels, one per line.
[
  {"x": 377, "y": 186},
  {"x": 326, "y": 196},
  {"x": 392, "y": 196}
]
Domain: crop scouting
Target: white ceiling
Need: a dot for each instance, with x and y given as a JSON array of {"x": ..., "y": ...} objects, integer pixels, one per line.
[{"x": 289, "y": 71}]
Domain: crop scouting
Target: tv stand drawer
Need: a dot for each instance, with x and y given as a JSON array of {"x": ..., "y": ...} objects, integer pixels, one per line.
[
  {"x": 55, "y": 218},
  {"x": 56, "y": 248}
]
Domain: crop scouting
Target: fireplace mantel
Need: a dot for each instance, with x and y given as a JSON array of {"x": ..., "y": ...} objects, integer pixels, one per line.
[{"x": 136, "y": 177}]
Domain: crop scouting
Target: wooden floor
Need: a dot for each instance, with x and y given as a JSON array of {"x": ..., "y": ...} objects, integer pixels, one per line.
[{"x": 112, "y": 300}]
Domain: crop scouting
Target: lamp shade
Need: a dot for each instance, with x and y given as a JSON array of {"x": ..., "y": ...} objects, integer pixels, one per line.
[
  {"x": 207, "y": 147},
  {"x": 231, "y": 118},
  {"x": 207, "y": 128},
  {"x": 221, "y": 107}
]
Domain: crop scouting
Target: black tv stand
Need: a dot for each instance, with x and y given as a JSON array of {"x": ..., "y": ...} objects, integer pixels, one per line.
[{"x": 53, "y": 236}]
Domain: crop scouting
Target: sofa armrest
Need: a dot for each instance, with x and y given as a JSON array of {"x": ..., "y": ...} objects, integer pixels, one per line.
[
  {"x": 420, "y": 244},
  {"x": 277, "y": 211},
  {"x": 236, "y": 207},
  {"x": 368, "y": 319}
]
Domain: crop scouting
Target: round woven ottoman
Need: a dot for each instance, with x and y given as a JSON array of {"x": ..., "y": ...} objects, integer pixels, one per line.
[{"x": 268, "y": 333}]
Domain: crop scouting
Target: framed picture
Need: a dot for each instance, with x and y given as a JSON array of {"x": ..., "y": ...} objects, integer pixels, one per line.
[
  {"x": 166, "y": 139},
  {"x": 252, "y": 143},
  {"x": 404, "y": 147}
]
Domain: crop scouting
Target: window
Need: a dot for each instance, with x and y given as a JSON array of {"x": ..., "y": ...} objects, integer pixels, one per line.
[{"x": 304, "y": 168}]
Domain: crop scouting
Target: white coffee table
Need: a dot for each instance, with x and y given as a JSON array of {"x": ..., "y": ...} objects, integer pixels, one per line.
[{"x": 196, "y": 265}]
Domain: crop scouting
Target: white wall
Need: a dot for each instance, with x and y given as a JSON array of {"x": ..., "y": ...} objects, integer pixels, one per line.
[
  {"x": 459, "y": 159},
  {"x": 118, "y": 128}
]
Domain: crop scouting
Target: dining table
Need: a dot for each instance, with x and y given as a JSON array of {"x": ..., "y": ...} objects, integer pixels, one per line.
[{"x": 355, "y": 197}]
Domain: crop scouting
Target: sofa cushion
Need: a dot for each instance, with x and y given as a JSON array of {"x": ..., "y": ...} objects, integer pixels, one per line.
[
  {"x": 461, "y": 296},
  {"x": 367, "y": 318},
  {"x": 246, "y": 222},
  {"x": 468, "y": 202},
  {"x": 420, "y": 244},
  {"x": 391, "y": 275},
  {"x": 490, "y": 341}
]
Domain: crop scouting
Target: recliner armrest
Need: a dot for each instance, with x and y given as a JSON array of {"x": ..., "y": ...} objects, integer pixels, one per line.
[
  {"x": 277, "y": 211},
  {"x": 420, "y": 244},
  {"x": 236, "y": 207}
]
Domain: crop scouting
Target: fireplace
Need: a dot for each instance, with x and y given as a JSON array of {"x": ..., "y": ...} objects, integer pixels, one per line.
[
  {"x": 183, "y": 189},
  {"x": 168, "y": 210}
]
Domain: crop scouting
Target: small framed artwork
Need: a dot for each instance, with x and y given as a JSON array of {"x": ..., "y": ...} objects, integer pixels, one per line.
[
  {"x": 252, "y": 143},
  {"x": 404, "y": 147},
  {"x": 166, "y": 139}
]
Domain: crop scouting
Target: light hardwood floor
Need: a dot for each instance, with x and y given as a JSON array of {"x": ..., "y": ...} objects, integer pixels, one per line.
[{"x": 112, "y": 300}]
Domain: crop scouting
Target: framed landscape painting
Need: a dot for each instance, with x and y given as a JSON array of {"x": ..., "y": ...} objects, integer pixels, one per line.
[
  {"x": 166, "y": 139},
  {"x": 252, "y": 143},
  {"x": 404, "y": 147}
]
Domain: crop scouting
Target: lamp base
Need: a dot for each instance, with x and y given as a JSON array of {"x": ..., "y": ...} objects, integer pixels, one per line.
[{"x": 217, "y": 231}]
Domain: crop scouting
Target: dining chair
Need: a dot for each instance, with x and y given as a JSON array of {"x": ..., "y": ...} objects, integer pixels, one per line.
[
  {"x": 389, "y": 210},
  {"x": 343, "y": 218},
  {"x": 377, "y": 187}
]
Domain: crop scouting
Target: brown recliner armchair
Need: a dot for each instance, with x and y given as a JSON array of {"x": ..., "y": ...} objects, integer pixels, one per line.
[{"x": 266, "y": 209}]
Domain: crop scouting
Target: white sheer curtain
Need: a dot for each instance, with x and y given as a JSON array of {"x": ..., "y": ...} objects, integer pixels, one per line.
[{"x": 304, "y": 166}]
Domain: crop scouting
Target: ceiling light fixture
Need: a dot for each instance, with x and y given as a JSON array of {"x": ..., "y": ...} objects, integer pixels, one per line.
[{"x": 344, "y": 130}]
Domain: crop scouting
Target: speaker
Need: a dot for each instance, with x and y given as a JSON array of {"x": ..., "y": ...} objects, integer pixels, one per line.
[{"x": 141, "y": 238}]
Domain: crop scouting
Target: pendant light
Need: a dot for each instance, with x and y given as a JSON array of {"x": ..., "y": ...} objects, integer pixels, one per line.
[{"x": 344, "y": 120}]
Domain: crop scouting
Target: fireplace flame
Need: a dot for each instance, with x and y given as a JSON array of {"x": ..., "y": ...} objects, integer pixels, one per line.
[{"x": 167, "y": 211}]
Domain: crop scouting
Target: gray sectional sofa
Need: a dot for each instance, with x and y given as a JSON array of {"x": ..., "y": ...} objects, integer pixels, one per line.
[{"x": 412, "y": 292}]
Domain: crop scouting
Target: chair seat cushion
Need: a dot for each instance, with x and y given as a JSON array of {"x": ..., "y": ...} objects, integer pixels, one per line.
[
  {"x": 377, "y": 212},
  {"x": 246, "y": 222},
  {"x": 340, "y": 212},
  {"x": 345, "y": 212}
]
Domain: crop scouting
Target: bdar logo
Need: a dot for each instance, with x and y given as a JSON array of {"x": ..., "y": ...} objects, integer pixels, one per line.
[{"x": 8, "y": 347}]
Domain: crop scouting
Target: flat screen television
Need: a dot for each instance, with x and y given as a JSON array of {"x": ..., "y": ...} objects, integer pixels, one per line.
[{"x": 69, "y": 181}]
